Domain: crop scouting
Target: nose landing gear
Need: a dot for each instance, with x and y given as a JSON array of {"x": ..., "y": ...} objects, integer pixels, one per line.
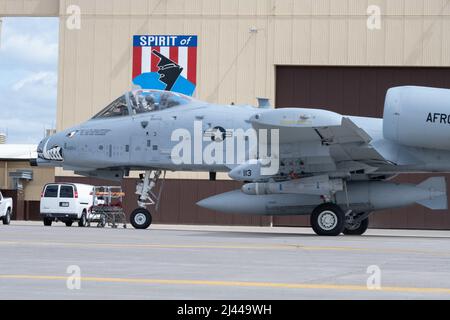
[{"x": 141, "y": 218}]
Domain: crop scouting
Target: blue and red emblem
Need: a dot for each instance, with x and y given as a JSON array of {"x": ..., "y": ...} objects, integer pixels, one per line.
[{"x": 165, "y": 63}]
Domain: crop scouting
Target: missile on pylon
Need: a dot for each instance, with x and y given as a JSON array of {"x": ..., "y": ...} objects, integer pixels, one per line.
[
  {"x": 248, "y": 171},
  {"x": 360, "y": 197},
  {"x": 317, "y": 185}
]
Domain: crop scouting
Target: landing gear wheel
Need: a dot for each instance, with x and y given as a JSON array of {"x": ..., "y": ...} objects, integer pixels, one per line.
[
  {"x": 7, "y": 218},
  {"x": 356, "y": 229},
  {"x": 141, "y": 218},
  {"x": 69, "y": 223},
  {"x": 328, "y": 220},
  {"x": 83, "y": 221},
  {"x": 48, "y": 222}
]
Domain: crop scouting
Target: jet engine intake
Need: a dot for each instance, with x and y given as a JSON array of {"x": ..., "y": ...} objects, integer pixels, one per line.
[{"x": 418, "y": 117}]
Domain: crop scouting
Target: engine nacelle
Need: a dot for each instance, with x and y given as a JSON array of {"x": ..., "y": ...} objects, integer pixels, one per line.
[{"x": 418, "y": 117}]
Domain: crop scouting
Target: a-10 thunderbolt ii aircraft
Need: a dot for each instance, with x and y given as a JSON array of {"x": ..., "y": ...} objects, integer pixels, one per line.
[{"x": 294, "y": 161}]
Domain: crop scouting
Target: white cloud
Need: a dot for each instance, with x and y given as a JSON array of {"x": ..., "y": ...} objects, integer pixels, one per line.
[
  {"x": 30, "y": 42},
  {"x": 25, "y": 130},
  {"x": 28, "y": 77},
  {"x": 30, "y": 50},
  {"x": 47, "y": 80}
]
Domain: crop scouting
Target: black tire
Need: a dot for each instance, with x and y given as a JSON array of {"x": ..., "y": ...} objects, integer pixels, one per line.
[
  {"x": 83, "y": 221},
  {"x": 141, "y": 219},
  {"x": 69, "y": 223},
  {"x": 328, "y": 220},
  {"x": 7, "y": 218},
  {"x": 48, "y": 222},
  {"x": 357, "y": 230}
]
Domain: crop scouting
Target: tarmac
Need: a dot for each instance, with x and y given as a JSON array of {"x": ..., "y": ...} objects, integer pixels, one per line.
[{"x": 202, "y": 262}]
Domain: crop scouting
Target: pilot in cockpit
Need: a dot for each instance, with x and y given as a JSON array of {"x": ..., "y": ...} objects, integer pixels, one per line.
[
  {"x": 143, "y": 102},
  {"x": 163, "y": 101},
  {"x": 150, "y": 101},
  {"x": 140, "y": 108},
  {"x": 167, "y": 101},
  {"x": 119, "y": 110}
]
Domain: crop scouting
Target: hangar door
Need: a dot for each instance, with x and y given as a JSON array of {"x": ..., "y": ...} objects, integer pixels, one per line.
[{"x": 360, "y": 91}]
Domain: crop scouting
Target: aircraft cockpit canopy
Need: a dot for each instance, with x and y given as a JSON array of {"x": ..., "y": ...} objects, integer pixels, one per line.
[
  {"x": 144, "y": 101},
  {"x": 118, "y": 108}
]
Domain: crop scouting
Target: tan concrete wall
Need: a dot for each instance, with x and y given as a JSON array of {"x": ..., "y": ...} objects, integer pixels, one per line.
[
  {"x": 41, "y": 176},
  {"x": 32, "y": 189},
  {"x": 31, "y": 8}
]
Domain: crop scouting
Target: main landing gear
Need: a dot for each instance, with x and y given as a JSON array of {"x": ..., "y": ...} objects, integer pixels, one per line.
[
  {"x": 356, "y": 224},
  {"x": 329, "y": 219},
  {"x": 141, "y": 218}
]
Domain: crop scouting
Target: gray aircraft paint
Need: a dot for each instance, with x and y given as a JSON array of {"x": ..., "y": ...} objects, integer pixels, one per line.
[{"x": 312, "y": 142}]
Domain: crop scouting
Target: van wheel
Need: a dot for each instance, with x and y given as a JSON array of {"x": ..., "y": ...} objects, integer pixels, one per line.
[
  {"x": 7, "y": 218},
  {"x": 141, "y": 218},
  {"x": 69, "y": 223},
  {"x": 48, "y": 222},
  {"x": 83, "y": 222}
]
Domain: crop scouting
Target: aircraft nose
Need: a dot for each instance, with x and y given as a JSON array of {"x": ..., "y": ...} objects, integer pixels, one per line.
[
  {"x": 40, "y": 148},
  {"x": 40, "y": 154},
  {"x": 48, "y": 150}
]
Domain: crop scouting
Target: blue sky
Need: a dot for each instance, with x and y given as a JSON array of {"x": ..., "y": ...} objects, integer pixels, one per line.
[{"x": 28, "y": 77}]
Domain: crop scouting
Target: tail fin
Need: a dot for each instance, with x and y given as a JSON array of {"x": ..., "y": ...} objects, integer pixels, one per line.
[{"x": 437, "y": 187}]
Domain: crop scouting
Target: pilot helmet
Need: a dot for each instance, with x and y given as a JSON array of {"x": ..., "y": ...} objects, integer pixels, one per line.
[{"x": 149, "y": 99}]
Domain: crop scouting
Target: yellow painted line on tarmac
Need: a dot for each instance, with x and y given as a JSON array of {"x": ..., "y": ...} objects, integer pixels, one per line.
[
  {"x": 218, "y": 246},
  {"x": 234, "y": 284}
]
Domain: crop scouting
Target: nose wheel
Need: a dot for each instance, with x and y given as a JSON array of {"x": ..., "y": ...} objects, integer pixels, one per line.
[{"x": 141, "y": 217}]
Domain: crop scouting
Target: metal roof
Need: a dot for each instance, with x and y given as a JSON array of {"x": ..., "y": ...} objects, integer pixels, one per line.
[{"x": 18, "y": 151}]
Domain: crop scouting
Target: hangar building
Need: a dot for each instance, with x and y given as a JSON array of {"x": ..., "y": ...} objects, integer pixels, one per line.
[{"x": 335, "y": 54}]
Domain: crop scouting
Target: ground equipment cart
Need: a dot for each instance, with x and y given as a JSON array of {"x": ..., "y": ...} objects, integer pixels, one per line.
[{"x": 108, "y": 207}]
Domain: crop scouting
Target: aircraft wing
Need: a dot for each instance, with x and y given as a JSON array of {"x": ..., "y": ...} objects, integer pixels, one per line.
[
  {"x": 304, "y": 132},
  {"x": 299, "y": 125}
]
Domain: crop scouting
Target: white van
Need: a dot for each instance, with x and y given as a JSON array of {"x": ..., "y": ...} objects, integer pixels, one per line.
[
  {"x": 66, "y": 202},
  {"x": 6, "y": 206}
]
